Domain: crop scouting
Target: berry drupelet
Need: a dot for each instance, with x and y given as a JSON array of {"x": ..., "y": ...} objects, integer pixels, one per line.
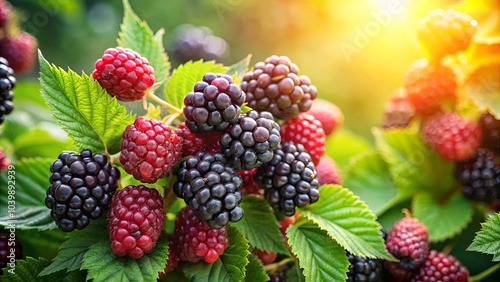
[
  {"x": 7, "y": 83},
  {"x": 441, "y": 267}
]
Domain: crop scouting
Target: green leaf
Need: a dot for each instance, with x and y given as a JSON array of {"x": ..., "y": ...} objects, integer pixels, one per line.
[
  {"x": 103, "y": 265},
  {"x": 239, "y": 69},
  {"x": 38, "y": 142},
  {"x": 369, "y": 179},
  {"x": 29, "y": 268},
  {"x": 343, "y": 145},
  {"x": 413, "y": 165},
  {"x": 487, "y": 240},
  {"x": 185, "y": 76},
  {"x": 29, "y": 179},
  {"x": 260, "y": 226},
  {"x": 453, "y": 215},
  {"x": 83, "y": 109},
  {"x": 230, "y": 266},
  {"x": 138, "y": 36},
  {"x": 349, "y": 221},
  {"x": 255, "y": 271},
  {"x": 484, "y": 88},
  {"x": 319, "y": 255}
]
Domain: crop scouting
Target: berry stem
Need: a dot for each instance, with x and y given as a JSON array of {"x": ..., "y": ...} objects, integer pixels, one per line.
[
  {"x": 272, "y": 267},
  {"x": 163, "y": 103},
  {"x": 169, "y": 196},
  {"x": 484, "y": 274}
]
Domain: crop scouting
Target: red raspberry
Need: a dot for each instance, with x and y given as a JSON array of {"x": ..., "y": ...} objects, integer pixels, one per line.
[
  {"x": 441, "y": 267},
  {"x": 328, "y": 172},
  {"x": 4, "y": 161},
  {"x": 408, "y": 241},
  {"x": 249, "y": 186},
  {"x": 444, "y": 32},
  {"x": 265, "y": 257},
  {"x": 149, "y": 149},
  {"x": 193, "y": 143},
  {"x": 451, "y": 136},
  {"x": 429, "y": 86},
  {"x": 19, "y": 51},
  {"x": 124, "y": 74},
  {"x": 305, "y": 129},
  {"x": 328, "y": 114},
  {"x": 195, "y": 240},
  {"x": 398, "y": 111},
  {"x": 135, "y": 220}
]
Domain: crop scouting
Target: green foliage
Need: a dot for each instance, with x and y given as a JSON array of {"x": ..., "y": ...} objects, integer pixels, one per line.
[
  {"x": 344, "y": 145},
  {"x": 39, "y": 142},
  {"x": 320, "y": 256},
  {"x": 239, "y": 69},
  {"x": 28, "y": 269},
  {"x": 83, "y": 109},
  {"x": 482, "y": 86},
  {"x": 258, "y": 213},
  {"x": 255, "y": 270},
  {"x": 487, "y": 240}
]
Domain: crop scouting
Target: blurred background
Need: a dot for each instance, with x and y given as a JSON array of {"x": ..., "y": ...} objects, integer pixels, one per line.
[{"x": 356, "y": 52}]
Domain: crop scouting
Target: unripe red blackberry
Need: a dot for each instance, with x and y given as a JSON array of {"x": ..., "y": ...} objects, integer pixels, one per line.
[
  {"x": 4, "y": 161},
  {"x": 250, "y": 142},
  {"x": 275, "y": 86},
  {"x": 81, "y": 188},
  {"x": 194, "y": 143},
  {"x": 7, "y": 83},
  {"x": 398, "y": 111},
  {"x": 329, "y": 114},
  {"x": 441, "y": 267},
  {"x": 266, "y": 257},
  {"x": 490, "y": 129},
  {"x": 289, "y": 179},
  {"x": 149, "y": 149},
  {"x": 249, "y": 186},
  {"x": 5, "y": 16},
  {"x": 328, "y": 172},
  {"x": 135, "y": 220},
  {"x": 211, "y": 188},
  {"x": 214, "y": 104},
  {"x": 124, "y": 74},
  {"x": 21, "y": 52},
  {"x": 9, "y": 242}
]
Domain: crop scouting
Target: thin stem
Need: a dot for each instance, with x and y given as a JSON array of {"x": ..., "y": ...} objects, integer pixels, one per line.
[
  {"x": 277, "y": 265},
  {"x": 162, "y": 102},
  {"x": 484, "y": 274},
  {"x": 169, "y": 196}
]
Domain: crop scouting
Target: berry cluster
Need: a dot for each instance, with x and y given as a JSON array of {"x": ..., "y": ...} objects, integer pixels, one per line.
[{"x": 7, "y": 83}]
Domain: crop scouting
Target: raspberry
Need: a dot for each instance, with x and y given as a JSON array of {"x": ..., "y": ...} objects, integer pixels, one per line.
[
  {"x": 81, "y": 188},
  {"x": 7, "y": 243},
  {"x": 214, "y": 104},
  {"x": 135, "y": 220},
  {"x": 211, "y": 188},
  {"x": 429, "y": 86},
  {"x": 275, "y": 85},
  {"x": 451, "y": 136},
  {"x": 7, "y": 83},
  {"x": 250, "y": 142},
  {"x": 149, "y": 149},
  {"x": 444, "y": 32},
  {"x": 194, "y": 143},
  {"x": 365, "y": 269},
  {"x": 408, "y": 241},
  {"x": 398, "y": 112},
  {"x": 191, "y": 43},
  {"x": 249, "y": 186},
  {"x": 441, "y": 267},
  {"x": 490, "y": 129},
  {"x": 330, "y": 116},
  {"x": 265, "y": 257},
  {"x": 328, "y": 172},
  {"x": 480, "y": 176},
  {"x": 20, "y": 51},
  {"x": 289, "y": 179},
  {"x": 195, "y": 240},
  {"x": 4, "y": 161},
  {"x": 124, "y": 74},
  {"x": 306, "y": 130}
]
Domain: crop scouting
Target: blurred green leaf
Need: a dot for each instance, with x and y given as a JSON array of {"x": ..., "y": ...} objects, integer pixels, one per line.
[
  {"x": 483, "y": 86},
  {"x": 487, "y": 240},
  {"x": 255, "y": 271},
  {"x": 344, "y": 145},
  {"x": 239, "y": 69},
  {"x": 39, "y": 143}
]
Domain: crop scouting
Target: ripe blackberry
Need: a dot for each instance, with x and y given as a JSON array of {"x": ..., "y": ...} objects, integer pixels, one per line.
[
  {"x": 365, "y": 269},
  {"x": 306, "y": 130},
  {"x": 194, "y": 143},
  {"x": 214, "y": 104},
  {"x": 21, "y": 52},
  {"x": 124, "y": 74},
  {"x": 7, "y": 83},
  {"x": 444, "y": 32},
  {"x": 9, "y": 241},
  {"x": 398, "y": 111},
  {"x": 149, "y": 149},
  {"x": 278, "y": 275},
  {"x": 195, "y": 240},
  {"x": 250, "y": 142},
  {"x": 4, "y": 161},
  {"x": 289, "y": 179},
  {"x": 407, "y": 241},
  {"x": 451, "y": 136},
  {"x": 330, "y": 116},
  {"x": 328, "y": 172},
  {"x": 192, "y": 43},
  {"x": 441, "y": 267},
  {"x": 135, "y": 220},
  {"x": 211, "y": 188},
  {"x": 490, "y": 129},
  {"x": 275, "y": 85},
  {"x": 429, "y": 85},
  {"x": 480, "y": 176},
  {"x": 81, "y": 188},
  {"x": 249, "y": 186}
]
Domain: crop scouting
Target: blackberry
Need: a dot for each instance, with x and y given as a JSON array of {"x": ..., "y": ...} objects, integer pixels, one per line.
[
  {"x": 328, "y": 171},
  {"x": 278, "y": 275},
  {"x": 214, "y": 104},
  {"x": 81, "y": 188},
  {"x": 490, "y": 129},
  {"x": 9, "y": 241},
  {"x": 7, "y": 83},
  {"x": 275, "y": 85},
  {"x": 289, "y": 179},
  {"x": 211, "y": 188},
  {"x": 480, "y": 176},
  {"x": 441, "y": 267},
  {"x": 329, "y": 114},
  {"x": 250, "y": 142},
  {"x": 20, "y": 50},
  {"x": 365, "y": 269}
]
